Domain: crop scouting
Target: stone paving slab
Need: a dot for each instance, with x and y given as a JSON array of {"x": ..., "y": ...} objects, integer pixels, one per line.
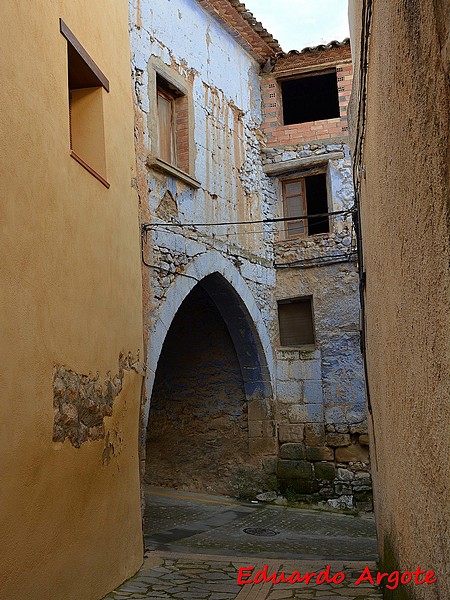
[{"x": 175, "y": 576}]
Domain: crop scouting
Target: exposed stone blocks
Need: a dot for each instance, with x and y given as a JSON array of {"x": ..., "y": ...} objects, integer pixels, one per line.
[
  {"x": 318, "y": 454},
  {"x": 294, "y": 469},
  {"x": 261, "y": 429},
  {"x": 293, "y": 451},
  {"x": 312, "y": 392},
  {"x": 81, "y": 402},
  {"x": 259, "y": 410},
  {"x": 338, "y": 439},
  {"x": 306, "y": 413},
  {"x": 315, "y": 434},
  {"x": 339, "y": 465},
  {"x": 263, "y": 446},
  {"x": 325, "y": 470},
  {"x": 353, "y": 453},
  {"x": 290, "y": 432}
]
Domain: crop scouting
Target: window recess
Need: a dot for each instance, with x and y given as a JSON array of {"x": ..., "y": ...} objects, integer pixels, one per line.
[
  {"x": 172, "y": 125},
  {"x": 306, "y": 197},
  {"x": 310, "y": 97},
  {"x": 86, "y": 85},
  {"x": 295, "y": 318}
]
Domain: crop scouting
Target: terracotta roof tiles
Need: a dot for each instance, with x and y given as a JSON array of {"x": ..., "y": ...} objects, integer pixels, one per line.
[
  {"x": 243, "y": 26},
  {"x": 253, "y": 36}
]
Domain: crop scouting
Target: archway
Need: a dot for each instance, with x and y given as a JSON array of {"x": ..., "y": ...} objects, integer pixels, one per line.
[{"x": 211, "y": 394}]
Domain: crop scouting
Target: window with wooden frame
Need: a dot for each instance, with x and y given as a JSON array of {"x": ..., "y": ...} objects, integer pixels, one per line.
[
  {"x": 172, "y": 123},
  {"x": 166, "y": 126},
  {"x": 306, "y": 198},
  {"x": 295, "y": 318},
  {"x": 86, "y": 85}
]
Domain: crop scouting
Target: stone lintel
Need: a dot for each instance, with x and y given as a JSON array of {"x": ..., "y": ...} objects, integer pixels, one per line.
[{"x": 298, "y": 164}]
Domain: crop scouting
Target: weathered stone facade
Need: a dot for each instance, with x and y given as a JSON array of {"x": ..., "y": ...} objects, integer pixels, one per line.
[{"x": 300, "y": 411}]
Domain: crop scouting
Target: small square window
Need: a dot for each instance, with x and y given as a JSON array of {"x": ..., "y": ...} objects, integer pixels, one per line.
[
  {"x": 295, "y": 318},
  {"x": 311, "y": 97},
  {"x": 85, "y": 86},
  {"x": 306, "y": 197}
]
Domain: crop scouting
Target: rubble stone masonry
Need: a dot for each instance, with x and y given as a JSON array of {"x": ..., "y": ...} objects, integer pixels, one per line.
[{"x": 298, "y": 414}]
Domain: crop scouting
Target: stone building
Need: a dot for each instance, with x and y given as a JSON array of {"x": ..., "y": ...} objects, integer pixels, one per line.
[
  {"x": 70, "y": 298},
  {"x": 254, "y": 375},
  {"x": 244, "y": 372},
  {"x": 400, "y": 136}
]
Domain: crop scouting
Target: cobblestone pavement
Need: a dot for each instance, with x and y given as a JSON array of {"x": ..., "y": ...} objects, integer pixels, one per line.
[
  {"x": 196, "y": 523},
  {"x": 196, "y": 544},
  {"x": 166, "y": 576}
]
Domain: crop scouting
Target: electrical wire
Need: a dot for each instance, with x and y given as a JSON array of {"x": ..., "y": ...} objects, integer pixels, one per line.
[
  {"x": 358, "y": 169},
  {"x": 317, "y": 261},
  {"x": 148, "y": 226},
  {"x": 158, "y": 268},
  {"x": 160, "y": 227}
]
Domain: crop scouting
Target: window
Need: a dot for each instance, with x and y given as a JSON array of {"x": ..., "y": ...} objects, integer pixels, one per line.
[
  {"x": 172, "y": 125},
  {"x": 166, "y": 126},
  {"x": 85, "y": 86},
  {"x": 306, "y": 197},
  {"x": 295, "y": 318},
  {"x": 311, "y": 97}
]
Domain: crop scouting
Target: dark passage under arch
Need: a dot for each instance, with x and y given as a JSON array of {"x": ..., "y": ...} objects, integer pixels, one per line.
[{"x": 210, "y": 369}]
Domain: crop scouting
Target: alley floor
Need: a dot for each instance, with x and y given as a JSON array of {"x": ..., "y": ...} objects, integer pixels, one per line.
[{"x": 196, "y": 544}]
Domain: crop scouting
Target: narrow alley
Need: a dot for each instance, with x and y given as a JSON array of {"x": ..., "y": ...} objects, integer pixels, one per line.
[
  {"x": 224, "y": 300},
  {"x": 195, "y": 546}
]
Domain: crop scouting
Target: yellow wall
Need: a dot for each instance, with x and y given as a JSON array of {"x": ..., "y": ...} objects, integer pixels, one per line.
[
  {"x": 70, "y": 294},
  {"x": 405, "y": 226}
]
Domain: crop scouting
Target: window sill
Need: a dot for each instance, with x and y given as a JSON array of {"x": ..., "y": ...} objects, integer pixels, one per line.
[
  {"x": 161, "y": 165},
  {"x": 297, "y": 238},
  {"x": 90, "y": 169},
  {"x": 299, "y": 348}
]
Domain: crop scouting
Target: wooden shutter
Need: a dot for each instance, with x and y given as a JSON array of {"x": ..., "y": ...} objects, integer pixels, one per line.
[
  {"x": 296, "y": 322},
  {"x": 166, "y": 128},
  {"x": 294, "y": 206}
]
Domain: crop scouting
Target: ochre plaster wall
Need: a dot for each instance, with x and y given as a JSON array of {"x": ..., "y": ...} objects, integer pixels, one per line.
[
  {"x": 71, "y": 296},
  {"x": 405, "y": 219}
]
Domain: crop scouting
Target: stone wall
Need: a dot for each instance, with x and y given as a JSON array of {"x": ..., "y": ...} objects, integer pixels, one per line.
[
  {"x": 224, "y": 125},
  {"x": 234, "y": 176},
  {"x": 320, "y": 392}
]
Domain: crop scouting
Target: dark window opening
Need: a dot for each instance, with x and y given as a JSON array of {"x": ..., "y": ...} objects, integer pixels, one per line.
[
  {"x": 295, "y": 318},
  {"x": 306, "y": 197},
  {"x": 317, "y": 203},
  {"x": 310, "y": 98}
]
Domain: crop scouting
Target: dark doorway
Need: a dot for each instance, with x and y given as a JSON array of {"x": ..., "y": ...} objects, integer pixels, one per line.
[{"x": 198, "y": 428}]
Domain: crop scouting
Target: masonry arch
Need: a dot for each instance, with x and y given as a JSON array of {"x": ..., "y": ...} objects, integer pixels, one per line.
[{"x": 209, "y": 419}]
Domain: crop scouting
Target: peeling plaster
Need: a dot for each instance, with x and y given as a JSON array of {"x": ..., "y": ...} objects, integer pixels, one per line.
[{"x": 81, "y": 402}]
